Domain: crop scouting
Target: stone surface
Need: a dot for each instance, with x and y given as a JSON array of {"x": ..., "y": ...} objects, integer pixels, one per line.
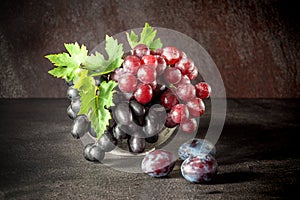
[
  {"x": 255, "y": 44},
  {"x": 257, "y": 154}
]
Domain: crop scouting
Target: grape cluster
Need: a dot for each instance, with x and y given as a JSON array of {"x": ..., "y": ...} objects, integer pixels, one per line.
[
  {"x": 164, "y": 77},
  {"x": 156, "y": 90}
]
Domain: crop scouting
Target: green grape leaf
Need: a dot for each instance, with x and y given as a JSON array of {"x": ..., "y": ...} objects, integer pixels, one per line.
[
  {"x": 87, "y": 90},
  {"x": 97, "y": 64},
  {"x": 147, "y": 37},
  {"x": 95, "y": 106},
  {"x": 68, "y": 63}
]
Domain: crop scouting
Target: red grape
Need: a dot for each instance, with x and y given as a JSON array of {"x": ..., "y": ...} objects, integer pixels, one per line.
[
  {"x": 143, "y": 94},
  {"x": 131, "y": 64},
  {"x": 127, "y": 83},
  {"x": 140, "y": 50},
  {"x": 203, "y": 90},
  {"x": 172, "y": 75},
  {"x": 161, "y": 65},
  {"x": 189, "y": 125},
  {"x": 185, "y": 65},
  {"x": 196, "y": 107},
  {"x": 146, "y": 74},
  {"x": 171, "y": 55},
  {"x": 149, "y": 60},
  {"x": 186, "y": 92},
  {"x": 179, "y": 113},
  {"x": 168, "y": 99}
]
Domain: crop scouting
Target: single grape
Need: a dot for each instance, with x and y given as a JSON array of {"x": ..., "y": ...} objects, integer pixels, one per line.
[
  {"x": 72, "y": 93},
  {"x": 122, "y": 113},
  {"x": 189, "y": 125},
  {"x": 171, "y": 55},
  {"x": 147, "y": 74},
  {"x": 179, "y": 113},
  {"x": 136, "y": 144},
  {"x": 149, "y": 60},
  {"x": 118, "y": 133},
  {"x": 195, "y": 147},
  {"x": 138, "y": 111},
  {"x": 75, "y": 105},
  {"x": 92, "y": 152},
  {"x": 168, "y": 99},
  {"x": 203, "y": 90},
  {"x": 81, "y": 125},
  {"x": 131, "y": 64},
  {"x": 86, "y": 152},
  {"x": 186, "y": 92},
  {"x": 127, "y": 83},
  {"x": 143, "y": 94},
  {"x": 152, "y": 128},
  {"x": 185, "y": 65},
  {"x": 107, "y": 143},
  {"x": 158, "y": 163},
  {"x": 161, "y": 65},
  {"x": 96, "y": 153},
  {"x": 71, "y": 113},
  {"x": 199, "y": 169},
  {"x": 140, "y": 50},
  {"x": 196, "y": 107},
  {"x": 172, "y": 75}
]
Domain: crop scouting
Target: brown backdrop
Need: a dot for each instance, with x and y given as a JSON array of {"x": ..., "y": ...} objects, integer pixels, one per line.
[{"x": 255, "y": 44}]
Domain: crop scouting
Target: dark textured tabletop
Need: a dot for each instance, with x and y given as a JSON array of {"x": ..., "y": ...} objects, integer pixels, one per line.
[{"x": 257, "y": 154}]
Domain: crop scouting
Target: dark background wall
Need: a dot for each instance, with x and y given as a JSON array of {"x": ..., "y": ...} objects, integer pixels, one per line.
[{"x": 255, "y": 44}]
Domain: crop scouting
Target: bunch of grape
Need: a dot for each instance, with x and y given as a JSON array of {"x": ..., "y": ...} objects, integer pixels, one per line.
[{"x": 156, "y": 89}]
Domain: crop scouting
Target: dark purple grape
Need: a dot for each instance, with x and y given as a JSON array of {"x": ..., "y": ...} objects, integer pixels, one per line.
[
  {"x": 72, "y": 93},
  {"x": 81, "y": 125},
  {"x": 151, "y": 128},
  {"x": 92, "y": 152},
  {"x": 86, "y": 152},
  {"x": 198, "y": 169},
  {"x": 96, "y": 153},
  {"x": 157, "y": 114},
  {"x": 75, "y": 105},
  {"x": 136, "y": 144},
  {"x": 158, "y": 163},
  {"x": 71, "y": 113},
  {"x": 118, "y": 133},
  {"x": 118, "y": 98},
  {"x": 138, "y": 112},
  {"x": 137, "y": 108},
  {"x": 107, "y": 142},
  {"x": 122, "y": 114},
  {"x": 140, "y": 50}
]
